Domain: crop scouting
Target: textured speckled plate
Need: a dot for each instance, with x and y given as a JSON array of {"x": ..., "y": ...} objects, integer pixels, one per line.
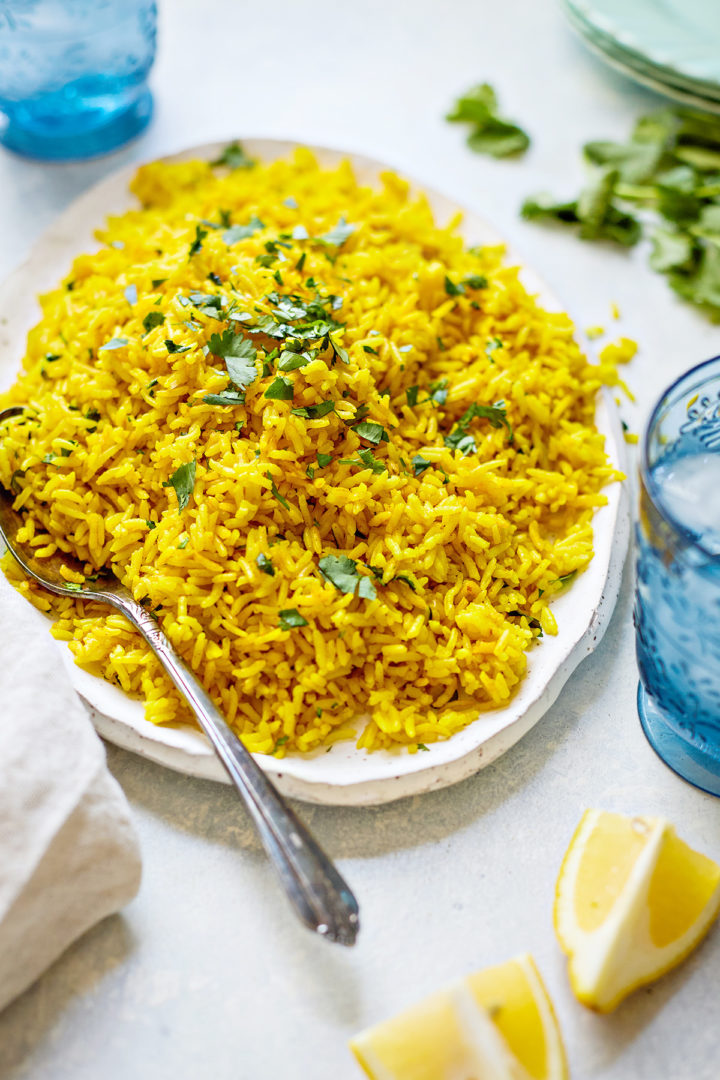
[{"x": 344, "y": 775}]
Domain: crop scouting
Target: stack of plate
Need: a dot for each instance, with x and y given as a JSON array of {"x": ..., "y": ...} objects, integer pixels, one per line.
[{"x": 672, "y": 46}]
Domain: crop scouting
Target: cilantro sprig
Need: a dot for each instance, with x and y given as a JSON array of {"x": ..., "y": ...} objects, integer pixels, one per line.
[
  {"x": 489, "y": 133},
  {"x": 670, "y": 168}
]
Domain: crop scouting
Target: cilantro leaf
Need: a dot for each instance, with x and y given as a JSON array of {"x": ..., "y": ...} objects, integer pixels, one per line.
[
  {"x": 183, "y": 481},
  {"x": 366, "y": 460},
  {"x": 114, "y": 343},
  {"x": 338, "y": 350},
  {"x": 460, "y": 439},
  {"x": 337, "y": 236},
  {"x": 234, "y": 157},
  {"x": 314, "y": 412},
  {"x": 291, "y": 361},
  {"x": 439, "y": 391},
  {"x": 420, "y": 464},
  {"x": 374, "y": 433},
  {"x": 411, "y": 395},
  {"x": 239, "y": 355},
  {"x": 275, "y": 492},
  {"x": 342, "y": 572},
  {"x": 475, "y": 281},
  {"x": 280, "y": 389},
  {"x": 490, "y": 134},
  {"x": 173, "y": 348},
  {"x": 153, "y": 319},
  {"x": 210, "y": 303},
  {"x": 324, "y": 460},
  {"x": 242, "y": 232},
  {"x": 452, "y": 289},
  {"x": 289, "y": 619},
  {"x": 196, "y": 245},
  {"x": 265, "y": 564},
  {"x": 227, "y": 397}
]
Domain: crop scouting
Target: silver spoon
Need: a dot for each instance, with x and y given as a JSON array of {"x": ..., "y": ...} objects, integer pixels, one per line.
[{"x": 312, "y": 883}]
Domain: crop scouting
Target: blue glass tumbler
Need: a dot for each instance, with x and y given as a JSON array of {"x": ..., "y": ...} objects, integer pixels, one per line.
[
  {"x": 73, "y": 75},
  {"x": 677, "y": 600}
]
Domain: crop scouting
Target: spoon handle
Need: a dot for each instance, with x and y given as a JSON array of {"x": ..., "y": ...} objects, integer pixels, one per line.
[{"x": 313, "y": 885}]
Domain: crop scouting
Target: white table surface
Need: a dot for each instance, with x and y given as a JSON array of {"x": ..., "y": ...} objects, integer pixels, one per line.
[{"x": 206, "y": 974}]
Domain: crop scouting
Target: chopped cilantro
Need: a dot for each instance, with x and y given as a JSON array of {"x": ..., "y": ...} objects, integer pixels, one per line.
[
  {"x": 452, "y": 289},
  {"x": 337, "y": 236},
  {"x": 151, "y": 524},
  {"x": 239, "y": 355},
  {"x": 422, "y": 746},
  {"x": 411, "y": 395},
  {"x": 157, "y": 282},
  {"x": 173, "y": 348},
  {"x": 460, "y": 439},
  {"x": 197, "y": 243},
  {"x": 475, "y": 281},
  {"x": 114, "y": 343},
  {"x": 184, "y": 542},
  {"x": 276, "y": 493},
  {"x": 566, "y": 578},
  {"x": 265, "y": 564},
  {"x": 369, "y": 349},
  {"x": 227, "y": 397},
  {"x": 153, "y": 319},
  {"x": 342, "y": 572},
  {"x": 324, "y": 460},
  {"x": 242, "y": 232},
  {"x": 314, "y": 412},
  {"x": 366, "y": 460},
  {"x": 374, "y": 433},
  {"x": 291, "y": 361},
  {"x": 210, "y": 303},
  {"x": 301, "y": 262},
  {"x": 492, "y": 346},
  {"x": 439, "y": 391},
  {"x": 420, "y": 464},
  {"x": 291, "y": 618},
  {"x": 234, "y": 157},
  {"x": 183, "y": 481},
  {"x": 338, "y": 350},
  {"x": 280, "y": 389}
]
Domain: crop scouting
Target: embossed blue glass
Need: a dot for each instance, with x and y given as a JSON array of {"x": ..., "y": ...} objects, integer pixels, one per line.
[
  {"x": 73, "y": 75},
  {"x": 677, "y": 602}
]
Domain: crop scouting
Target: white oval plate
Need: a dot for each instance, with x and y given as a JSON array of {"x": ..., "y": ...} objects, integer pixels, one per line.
[{"x": 344, "y": 776}]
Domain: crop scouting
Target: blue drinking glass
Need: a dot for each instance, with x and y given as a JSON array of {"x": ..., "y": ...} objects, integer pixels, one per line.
[
  {"x": 73, "y": 75},
  {"x": 677, "y": 600}
]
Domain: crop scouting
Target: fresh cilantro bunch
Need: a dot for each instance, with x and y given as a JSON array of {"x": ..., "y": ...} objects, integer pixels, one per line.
[
  {"x": 489, "y": 134},
  {"x": 669, "y": 170}
]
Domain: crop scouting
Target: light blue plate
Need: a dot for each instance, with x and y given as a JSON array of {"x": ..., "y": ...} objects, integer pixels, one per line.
[{"x": 672, "y": 43}]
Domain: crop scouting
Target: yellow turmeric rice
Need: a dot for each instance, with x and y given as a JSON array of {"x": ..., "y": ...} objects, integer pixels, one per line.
[{"x": 346, "y": 460}]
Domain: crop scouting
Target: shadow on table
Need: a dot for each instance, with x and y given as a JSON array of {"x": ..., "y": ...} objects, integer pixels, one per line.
[
  {"x": 213, "y": 810},
  {"x": 29, "y": 1020}
]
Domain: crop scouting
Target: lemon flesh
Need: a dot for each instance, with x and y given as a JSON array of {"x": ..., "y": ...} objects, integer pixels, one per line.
[
  {"x": 497, "y": 1024},
  {"x": 632, "y": 900}
]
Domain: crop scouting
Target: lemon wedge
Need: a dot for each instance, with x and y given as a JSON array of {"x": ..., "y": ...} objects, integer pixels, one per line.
[
  {"x": 632, "y": 900},
  {"x": 497, "y": 1024}
]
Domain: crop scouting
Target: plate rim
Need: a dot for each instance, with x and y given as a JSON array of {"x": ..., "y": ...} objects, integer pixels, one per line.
[{"x": 399, "y": 782}]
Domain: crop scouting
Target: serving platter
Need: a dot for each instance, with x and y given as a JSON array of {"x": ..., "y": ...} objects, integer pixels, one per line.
[{"x": 344, "y": 775}]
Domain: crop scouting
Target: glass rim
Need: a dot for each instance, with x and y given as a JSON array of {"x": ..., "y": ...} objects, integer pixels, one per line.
[{"x": 651, "y": 486}]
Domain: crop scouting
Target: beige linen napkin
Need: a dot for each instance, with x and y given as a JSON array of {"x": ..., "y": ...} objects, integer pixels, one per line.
[{"x": 68, "y": 852}]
